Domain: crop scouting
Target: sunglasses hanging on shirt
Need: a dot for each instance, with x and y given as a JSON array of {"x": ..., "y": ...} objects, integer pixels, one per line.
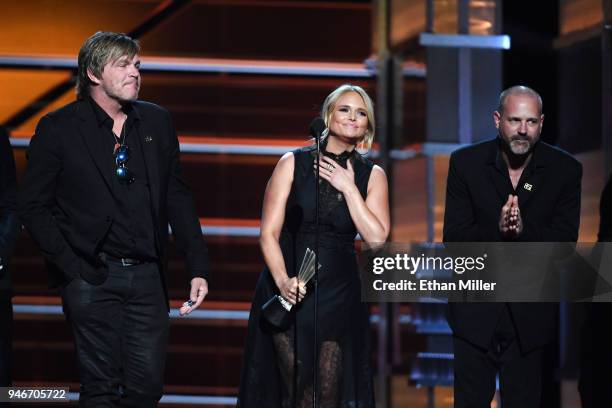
[{"x": 122, "y": 155}]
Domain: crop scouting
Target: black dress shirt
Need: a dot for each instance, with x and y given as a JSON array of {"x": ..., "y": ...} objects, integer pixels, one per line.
[{"x": 131, "y": 235}]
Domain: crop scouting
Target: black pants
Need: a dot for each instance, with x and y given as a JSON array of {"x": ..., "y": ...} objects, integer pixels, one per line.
[
  {"x": 121, "y": 333},
  {"x": 596, "y": 357},
  {"x": 520, "y": 374}
]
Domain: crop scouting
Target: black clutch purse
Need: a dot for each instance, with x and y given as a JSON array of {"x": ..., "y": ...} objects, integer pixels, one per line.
[{"x": 278, "y": 311}]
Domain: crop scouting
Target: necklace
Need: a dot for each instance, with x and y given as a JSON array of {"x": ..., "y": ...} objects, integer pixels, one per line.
[{"x": 119, "y": 140}]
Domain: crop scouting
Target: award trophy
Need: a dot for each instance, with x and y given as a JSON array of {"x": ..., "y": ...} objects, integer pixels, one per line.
[{"x": 277, "y": 310}]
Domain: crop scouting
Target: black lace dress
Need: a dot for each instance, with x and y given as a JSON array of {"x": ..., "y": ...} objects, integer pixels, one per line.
[{"x": 278, "y": 367}]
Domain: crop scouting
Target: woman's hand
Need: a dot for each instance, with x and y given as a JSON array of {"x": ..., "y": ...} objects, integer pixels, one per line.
[
  {"x": 292, "y": 290},
  {"x": 342, "y": 179}
]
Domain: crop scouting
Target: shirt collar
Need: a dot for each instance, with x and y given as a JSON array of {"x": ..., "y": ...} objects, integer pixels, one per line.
[{"x": 103, "y": 119}]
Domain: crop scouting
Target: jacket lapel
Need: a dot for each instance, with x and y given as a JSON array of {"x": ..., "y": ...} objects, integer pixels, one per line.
[
  {"x": 147, "y": 139},
  {"x": 88, "y": 129},
  {"x": 527, "y": 186},
  {"x": 531, "y": 179},
  {"x": 498, "y": 173}
]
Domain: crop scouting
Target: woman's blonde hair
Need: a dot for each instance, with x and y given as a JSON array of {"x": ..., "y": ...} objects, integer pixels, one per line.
[{"x": 330, "y": 104}]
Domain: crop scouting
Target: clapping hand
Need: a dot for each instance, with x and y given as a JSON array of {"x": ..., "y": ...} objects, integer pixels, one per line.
[{"x": 510, "y": 220}]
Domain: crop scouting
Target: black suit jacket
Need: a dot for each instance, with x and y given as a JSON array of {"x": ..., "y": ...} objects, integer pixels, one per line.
[
  {"x": 478, "y": 186},
  {"x": 67, "y": 201},
  {"x": 9, "y": 224}
]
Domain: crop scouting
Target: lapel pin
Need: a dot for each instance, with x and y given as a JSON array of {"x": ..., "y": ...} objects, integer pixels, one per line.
[
  {"x": 527, "y": 186},
  {"x": 148, "y": 139}
]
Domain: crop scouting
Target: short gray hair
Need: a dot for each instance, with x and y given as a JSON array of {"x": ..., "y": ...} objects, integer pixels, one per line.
[
  {"x": 330, "y": 103},
  {"x": 518, "y": 90},
  {"x": 97, "y": 51}
]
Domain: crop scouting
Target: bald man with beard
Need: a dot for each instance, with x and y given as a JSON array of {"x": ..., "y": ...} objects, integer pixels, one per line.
[{"x": 513, "y": 188}]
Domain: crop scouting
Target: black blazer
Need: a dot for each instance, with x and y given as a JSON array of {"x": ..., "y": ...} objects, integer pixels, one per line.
[
  {"x": 67, "y": 202},
  {"x": 478, "y": 186},
  {"x": 9, "y": 224}
]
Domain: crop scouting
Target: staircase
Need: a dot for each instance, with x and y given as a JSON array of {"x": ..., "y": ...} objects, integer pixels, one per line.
[{"x": 242, "y": 81}]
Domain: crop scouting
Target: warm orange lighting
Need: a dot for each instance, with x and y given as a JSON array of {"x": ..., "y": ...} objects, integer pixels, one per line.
[
  {"x": 229, "y": 222},
  {"x": 577, "y": 15},
  {"x": 481, "y": 17}
]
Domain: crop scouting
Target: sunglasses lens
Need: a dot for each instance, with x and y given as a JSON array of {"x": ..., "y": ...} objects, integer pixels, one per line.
[
  {"x": 121, "y": 158},
  {"x": 121, "y": 155},
  {"x": 124, "y": 175}
]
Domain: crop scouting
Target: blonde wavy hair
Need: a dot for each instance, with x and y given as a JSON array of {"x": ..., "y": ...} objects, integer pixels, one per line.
[
  {"x": 97, "y": 51},
  {"x": 330, "y": 103}
]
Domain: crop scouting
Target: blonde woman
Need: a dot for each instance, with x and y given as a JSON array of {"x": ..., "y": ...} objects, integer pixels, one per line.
[{"x": 278, "y": 362}]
